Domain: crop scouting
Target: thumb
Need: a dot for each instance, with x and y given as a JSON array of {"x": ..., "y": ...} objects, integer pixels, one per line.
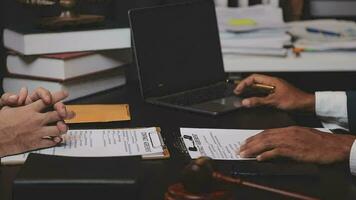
[
  {"x": 254, "y": 101},
  {"x": 9, "y": 99}
]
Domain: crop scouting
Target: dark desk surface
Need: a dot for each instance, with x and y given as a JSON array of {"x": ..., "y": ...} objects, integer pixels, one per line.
[{"x": 331, "y": 182}]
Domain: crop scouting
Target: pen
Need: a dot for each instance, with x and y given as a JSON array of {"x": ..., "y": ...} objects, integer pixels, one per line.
[
  {"x": 324, "y": 32},
  {"x": 268, "y": 88}
]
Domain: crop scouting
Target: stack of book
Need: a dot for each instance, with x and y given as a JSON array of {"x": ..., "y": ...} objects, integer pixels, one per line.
[{"x": 83, "y": 62}]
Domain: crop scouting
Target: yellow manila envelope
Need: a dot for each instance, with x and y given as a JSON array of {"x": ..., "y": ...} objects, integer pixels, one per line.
[{"x": 99, "y": 113}]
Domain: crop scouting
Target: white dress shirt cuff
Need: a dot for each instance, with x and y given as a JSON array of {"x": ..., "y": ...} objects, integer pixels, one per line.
[
  {"x": 353, "y": 159},
  {"x": 331, "y": 108}
]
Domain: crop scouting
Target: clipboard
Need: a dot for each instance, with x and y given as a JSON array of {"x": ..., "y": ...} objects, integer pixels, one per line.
[
  {"x": 277, "y": 167},
  {"x": 159, "y": 143}
]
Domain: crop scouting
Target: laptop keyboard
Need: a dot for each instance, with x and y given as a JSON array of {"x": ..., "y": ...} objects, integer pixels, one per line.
[{"x": 200, "y": 95}]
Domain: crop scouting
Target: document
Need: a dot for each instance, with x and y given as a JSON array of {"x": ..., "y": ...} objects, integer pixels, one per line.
[
  {"x": 218, "y": 144},
  {"x": 102, "y": 143}
]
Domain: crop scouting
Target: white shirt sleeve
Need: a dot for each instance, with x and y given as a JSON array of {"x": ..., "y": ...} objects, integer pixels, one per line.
[
  {"x": 331, "y": 108},
  {"x": 353, "y": 159}
]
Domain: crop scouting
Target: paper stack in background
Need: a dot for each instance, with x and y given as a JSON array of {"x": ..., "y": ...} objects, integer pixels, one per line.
[
  {"x": 252, "y": 40},
  {"x": 255, "y": 30},
  {"x": 324, "y": 35},
  {"x": 83, "y": 62}
]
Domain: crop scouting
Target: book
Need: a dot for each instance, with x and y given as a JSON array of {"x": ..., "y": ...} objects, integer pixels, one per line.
[
  {"x": 145, "y": 142},
  {"x": 77, "y": 88},
  {"x": 78, "y": 178},
  {"x": 29, "y": 40},
  {"x": 66, "y": 66}
]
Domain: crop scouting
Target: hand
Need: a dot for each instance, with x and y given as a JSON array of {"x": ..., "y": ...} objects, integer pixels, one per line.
[
  {"x": 24, "y": 128},
  {"x": 300, "y": 144},
  {"x": 22, "y": 98},
  {"x": 285, "y": 96}
]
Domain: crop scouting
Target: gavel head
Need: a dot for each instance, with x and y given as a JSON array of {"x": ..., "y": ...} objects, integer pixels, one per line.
[{"x": 197, "y": 177}]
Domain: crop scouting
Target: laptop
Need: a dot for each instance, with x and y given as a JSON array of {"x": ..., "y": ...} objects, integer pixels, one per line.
[{"x": 179, "y": 60}]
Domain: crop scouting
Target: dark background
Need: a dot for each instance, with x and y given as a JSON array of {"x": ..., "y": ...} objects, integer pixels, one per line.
[{"x": 13, "y": 13}]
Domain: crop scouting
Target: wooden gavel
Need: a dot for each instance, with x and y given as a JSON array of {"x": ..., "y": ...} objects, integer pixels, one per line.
[{"x": 199, "y": 175}]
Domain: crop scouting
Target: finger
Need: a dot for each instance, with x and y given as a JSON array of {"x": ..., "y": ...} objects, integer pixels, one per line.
[
  {"x": 268, "y": 133},
  {"x": 61, "y": 109},
  {"x": 256, "y": 147},
  {"x": 28, "y": 100},
  {"x": 243, "y": 85},
  {"x": 46, "y": 143},
  {"x": 70, "y": 115},
  {"x": 274, "y": 153},
  {"x": 9, "y": 99},
  {"x": 41, "y": 93},
  {"x": 22, "y": 96},
  {"x": 56, "y": 97},
  {"x": 256, "y": 101},
  {"x": 63, "y": 112},
  {"x": 257, "y": 143},
  {"x": 249, "y": 81},
  {"x": 49, "y": 131},
  {"x": 5, "y": 107},
  {"x": 51, "y": 117},
  {"x": 252, "y": 138},
  {"x": 62, "y": 127}
]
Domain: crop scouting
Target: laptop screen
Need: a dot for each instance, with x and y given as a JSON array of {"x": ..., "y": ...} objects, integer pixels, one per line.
[{"x": 177, "y": 47}]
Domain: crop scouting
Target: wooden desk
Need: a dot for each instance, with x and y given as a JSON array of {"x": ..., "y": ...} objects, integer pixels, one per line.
[{"x": 333, "y": 182}]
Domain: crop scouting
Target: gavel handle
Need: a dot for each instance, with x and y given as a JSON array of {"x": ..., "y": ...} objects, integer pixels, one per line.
[{"x": 237, "y": 181}]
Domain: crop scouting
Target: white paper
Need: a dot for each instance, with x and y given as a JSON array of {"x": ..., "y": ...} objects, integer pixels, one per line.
[
  {"x": 218, "y": 144},
  {"x": 102, "y": 143},
  {"x": 257, "y": 39}
]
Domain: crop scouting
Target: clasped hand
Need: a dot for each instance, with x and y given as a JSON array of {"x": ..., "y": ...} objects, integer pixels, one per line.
[{"x": 23, "y": 124}]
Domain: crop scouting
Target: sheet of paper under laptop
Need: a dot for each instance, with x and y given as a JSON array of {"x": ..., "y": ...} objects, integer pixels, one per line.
[
  {"x": 103, "y": 143},
  {"x": 218, "y": 144}
]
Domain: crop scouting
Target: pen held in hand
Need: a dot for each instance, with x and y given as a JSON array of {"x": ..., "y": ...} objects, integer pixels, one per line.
[{"x": 266, "y": 88}]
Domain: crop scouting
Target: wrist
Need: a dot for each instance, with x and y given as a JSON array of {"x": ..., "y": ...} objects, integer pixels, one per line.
[
  {"x": 346, "y": 147},
  {"x": 2, "y": 152},
  {"x": 309, "y": 103}
]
